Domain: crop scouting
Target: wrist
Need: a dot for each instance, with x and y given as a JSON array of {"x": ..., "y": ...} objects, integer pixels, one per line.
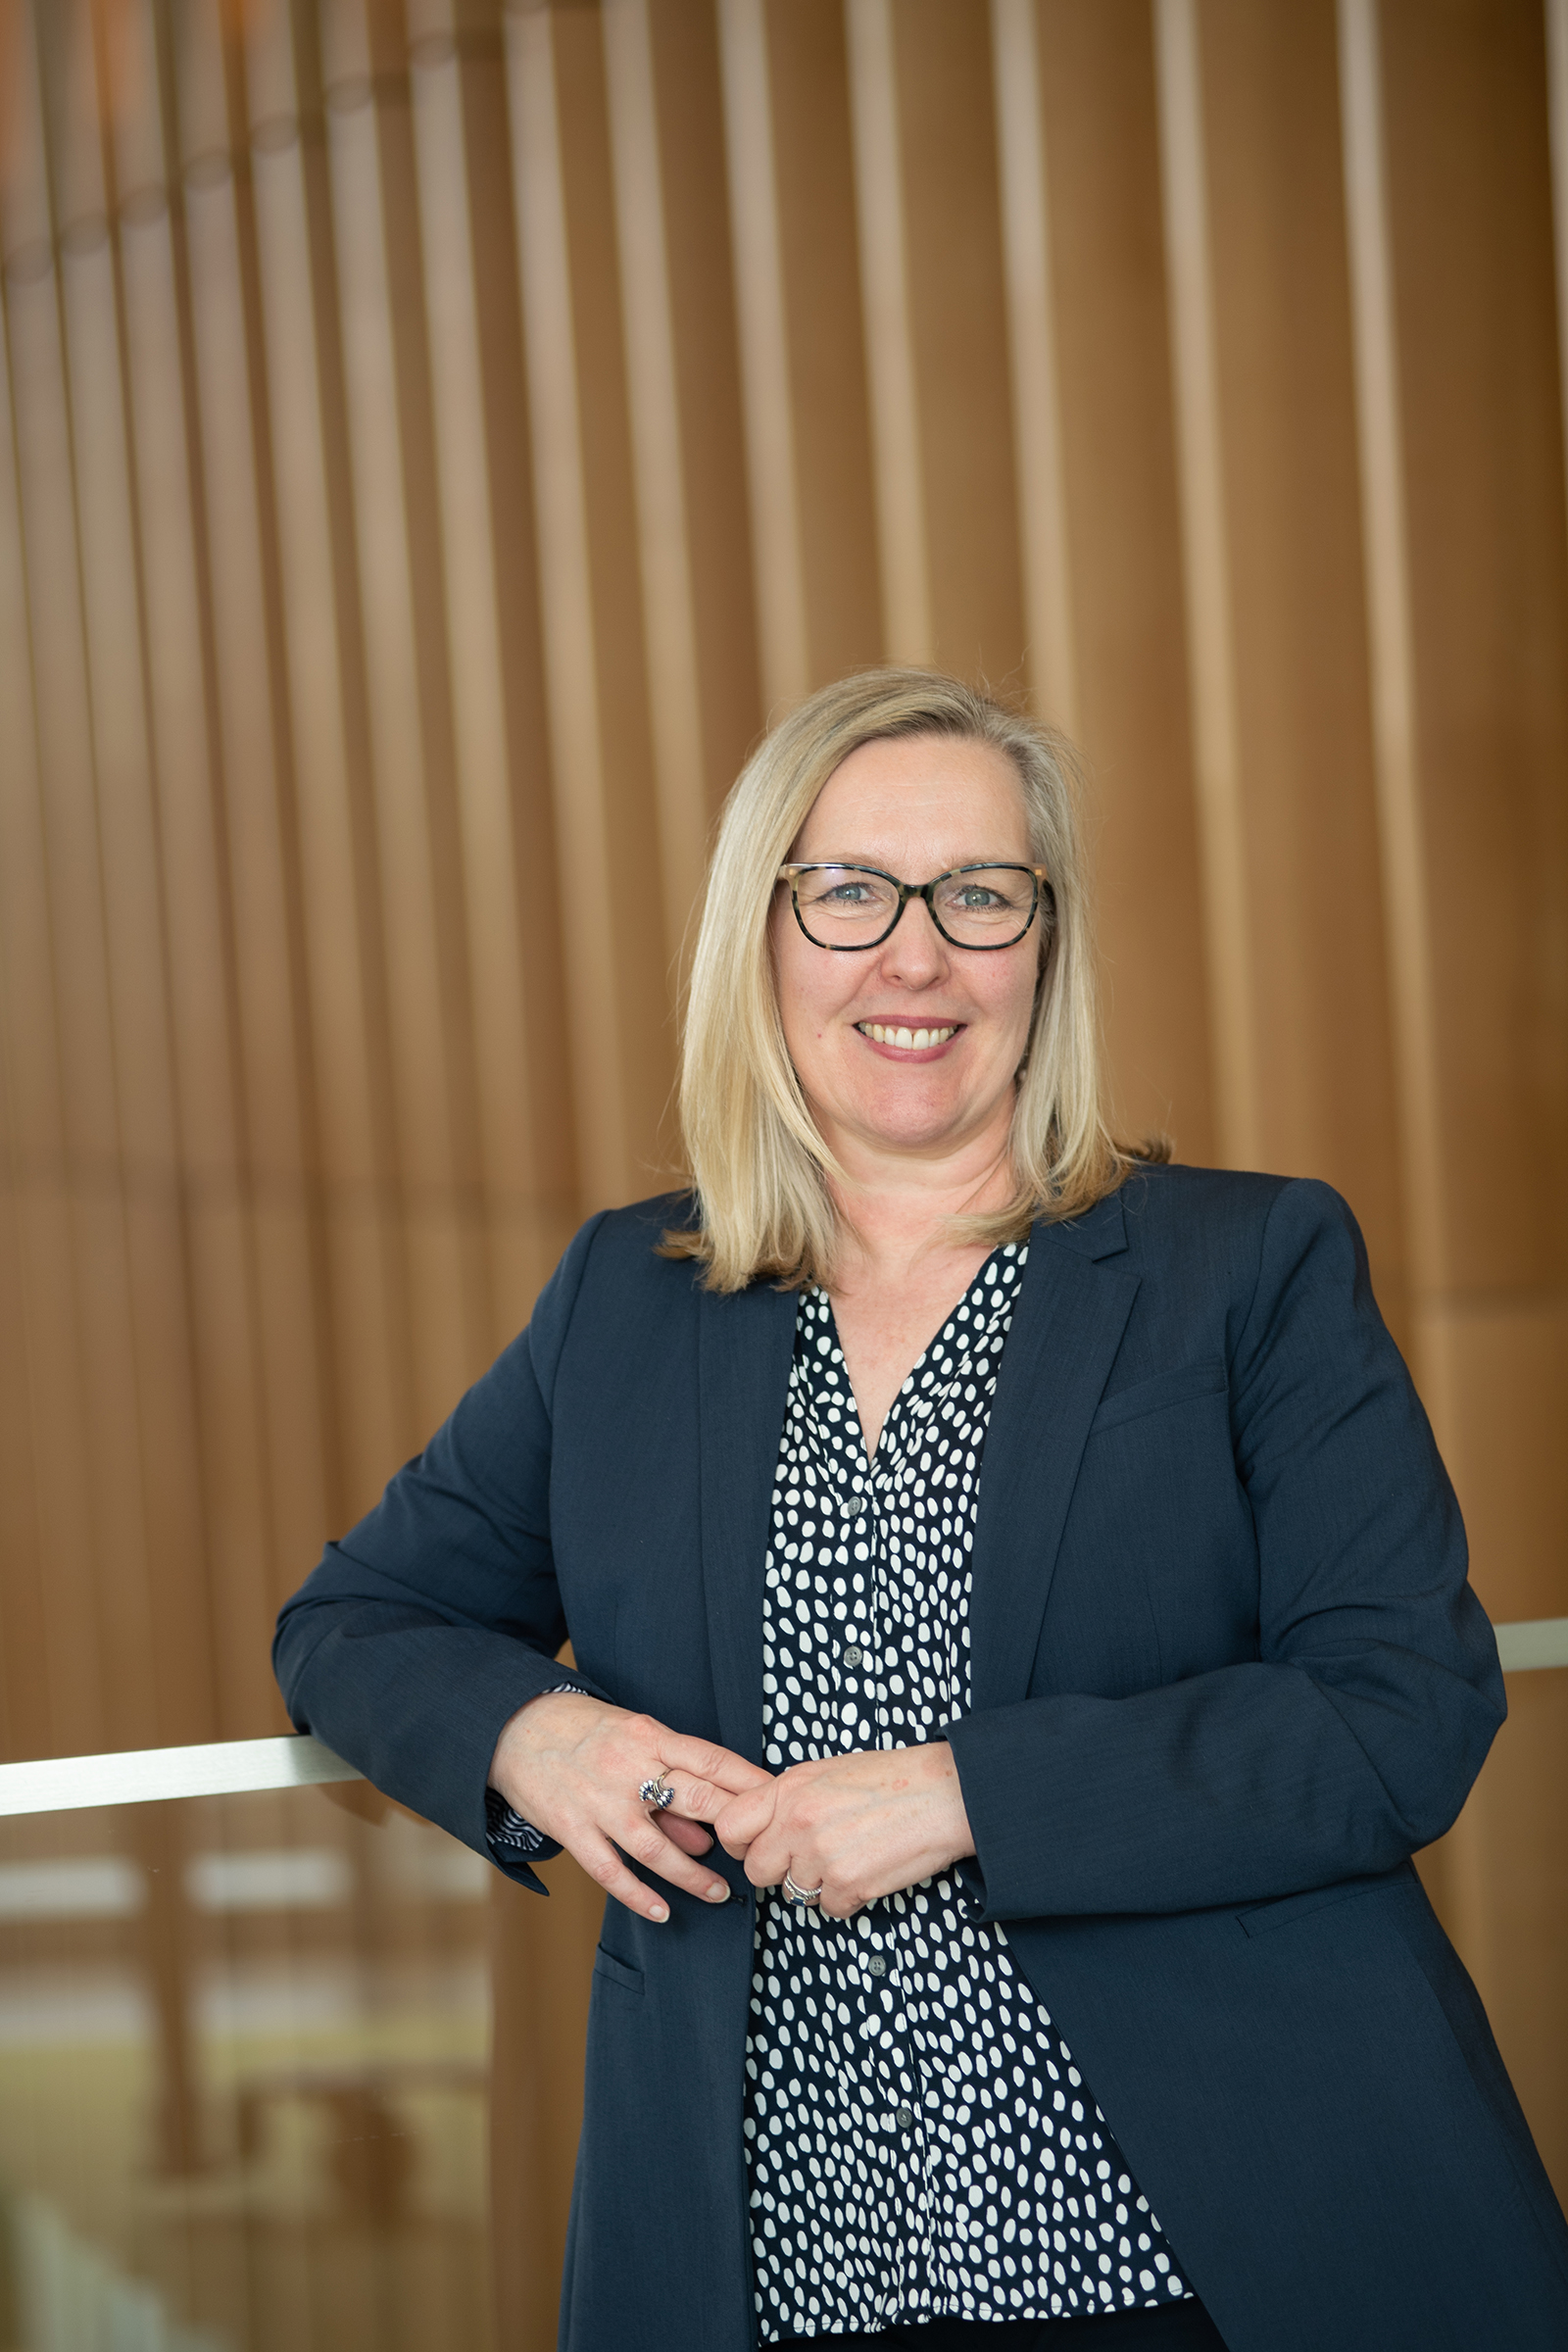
[{"x": 511, "y": 1737}]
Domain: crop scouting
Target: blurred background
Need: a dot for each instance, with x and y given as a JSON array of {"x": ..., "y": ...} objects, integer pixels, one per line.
[{"x": 435, "y": 437}]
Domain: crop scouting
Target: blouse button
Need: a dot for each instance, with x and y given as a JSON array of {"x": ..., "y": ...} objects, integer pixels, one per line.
[
  {"x": 905, "y": 2118},
  {"x": 854, "y": 1654},
  {"x": 876, "y": 1966}
]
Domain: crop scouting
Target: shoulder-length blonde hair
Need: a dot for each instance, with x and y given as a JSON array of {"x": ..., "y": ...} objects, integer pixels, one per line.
[{"x": 760, "y": 1168}]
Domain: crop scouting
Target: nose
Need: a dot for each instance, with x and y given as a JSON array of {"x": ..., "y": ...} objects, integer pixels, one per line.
[{"x": 917, "y": 954}]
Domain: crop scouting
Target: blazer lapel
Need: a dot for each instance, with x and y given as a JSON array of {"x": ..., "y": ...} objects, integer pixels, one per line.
[
  {"x": 744, "y": 1347},
  {"x": 1066, "y": 1329}
]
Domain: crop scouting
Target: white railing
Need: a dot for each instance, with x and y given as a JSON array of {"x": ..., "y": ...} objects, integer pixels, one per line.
[
  {"x": 1532, "y": 1641},
  {"x": 145, "y": 1775},
  {"x": 234, "y": 1767}
]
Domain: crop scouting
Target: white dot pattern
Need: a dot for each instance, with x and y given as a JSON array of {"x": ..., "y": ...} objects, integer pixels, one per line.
[{"x": 918, "y": 2140}]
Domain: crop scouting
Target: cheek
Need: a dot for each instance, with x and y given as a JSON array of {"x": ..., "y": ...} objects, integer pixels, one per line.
[
  {"x": 1010, "y": 1001},
  {"x": 803, "y": 1010}
]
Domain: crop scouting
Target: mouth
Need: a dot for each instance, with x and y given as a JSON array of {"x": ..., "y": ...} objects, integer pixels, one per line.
[{"x": 908, "y": 1040}]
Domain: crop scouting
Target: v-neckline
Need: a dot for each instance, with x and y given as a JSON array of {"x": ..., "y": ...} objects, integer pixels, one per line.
[{"x": 869, "y": 1455}]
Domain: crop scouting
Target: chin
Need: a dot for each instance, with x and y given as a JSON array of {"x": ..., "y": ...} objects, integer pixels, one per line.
[{"x": 931, "y": 1132}]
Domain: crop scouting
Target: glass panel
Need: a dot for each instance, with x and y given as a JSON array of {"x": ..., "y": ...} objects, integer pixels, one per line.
[{"x": 243, "y": 2077}]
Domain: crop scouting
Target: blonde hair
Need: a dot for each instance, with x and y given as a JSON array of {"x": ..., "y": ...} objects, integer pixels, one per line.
[{"x": 760, "y": 1168}]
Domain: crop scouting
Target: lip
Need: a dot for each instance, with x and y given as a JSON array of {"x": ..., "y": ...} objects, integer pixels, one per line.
[{"x": 909, "y": 1054}]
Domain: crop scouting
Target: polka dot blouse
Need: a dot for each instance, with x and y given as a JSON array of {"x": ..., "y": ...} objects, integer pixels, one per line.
[{"x": 918, "y": 2139}]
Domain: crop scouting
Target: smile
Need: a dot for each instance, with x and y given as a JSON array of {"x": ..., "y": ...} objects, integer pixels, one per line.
[{"x": 908, "y": 1040}]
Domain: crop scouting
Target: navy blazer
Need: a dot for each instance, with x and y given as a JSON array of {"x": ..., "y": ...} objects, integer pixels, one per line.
[{"x": 1228, "y": 1676}]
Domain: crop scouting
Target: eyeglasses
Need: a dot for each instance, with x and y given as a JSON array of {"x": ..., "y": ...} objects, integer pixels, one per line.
[{"x": 851, "y": 907}]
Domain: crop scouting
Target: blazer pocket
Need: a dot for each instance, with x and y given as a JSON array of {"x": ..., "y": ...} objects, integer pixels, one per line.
[
  {"x": 1260, "y": 1919},
  {"x": 1176, "y": 1387},
  {"x": 606, "y": 1964}
]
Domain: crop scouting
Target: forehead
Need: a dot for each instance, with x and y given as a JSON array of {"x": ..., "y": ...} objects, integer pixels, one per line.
[{"x": 936, "y": 798}]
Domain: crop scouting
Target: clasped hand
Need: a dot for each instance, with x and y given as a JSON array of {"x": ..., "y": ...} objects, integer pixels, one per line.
[{"x": 857, "y": 1826}]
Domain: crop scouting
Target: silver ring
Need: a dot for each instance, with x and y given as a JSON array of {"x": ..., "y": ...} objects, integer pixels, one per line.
[
  {"x": 657, "y": 1792},
  {"x": 799, "y": 1894}
]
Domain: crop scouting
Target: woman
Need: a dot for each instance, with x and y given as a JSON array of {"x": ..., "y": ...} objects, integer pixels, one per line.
[{"x": 1035, "y": 1566}]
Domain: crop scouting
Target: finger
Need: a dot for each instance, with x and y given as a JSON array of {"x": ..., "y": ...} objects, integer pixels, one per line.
[
  {"x": 645, "y": 1841},
  {"x": 704, "y": 1800},
  {"x": 689, "y": 1835},
  {"x": 740, "y": 1822},
  {"x": 706, "y": 1760},
  {"x": 598, "y": 1858},
  {"x": 770, "y": 1856},
  {"x": 786, "y": 1845}
]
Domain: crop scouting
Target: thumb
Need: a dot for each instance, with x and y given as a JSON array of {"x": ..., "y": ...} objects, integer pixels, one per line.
[{"x": 744, "y": 1818}]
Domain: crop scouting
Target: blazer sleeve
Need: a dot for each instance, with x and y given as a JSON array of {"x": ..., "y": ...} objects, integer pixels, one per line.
[
  {"x": 1354, "y": 1736},
  {"x": 428, "y": 1626}
]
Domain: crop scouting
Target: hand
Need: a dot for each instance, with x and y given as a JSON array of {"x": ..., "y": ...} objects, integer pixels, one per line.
[
  {"x": 855, "y": 1826},
  {"x": 572, "y": 1766}
]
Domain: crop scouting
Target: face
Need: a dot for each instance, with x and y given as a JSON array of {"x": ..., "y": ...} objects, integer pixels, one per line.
[{"x": 914, "y": 808}]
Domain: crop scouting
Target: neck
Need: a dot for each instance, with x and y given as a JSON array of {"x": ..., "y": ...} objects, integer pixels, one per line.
[{"x": 897, "y": 1209}]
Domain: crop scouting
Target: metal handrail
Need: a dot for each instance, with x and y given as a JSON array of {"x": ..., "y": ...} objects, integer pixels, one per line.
[
  {"x": 148, "y": 1775},
  {"x": 1532, "y": 1641},
  {"x": 235, "y": 1766}
]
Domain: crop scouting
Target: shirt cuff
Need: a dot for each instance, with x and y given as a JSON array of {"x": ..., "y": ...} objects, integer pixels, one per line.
[
  {"x": 508, "y": 1829},
  {"x": 970, "y": 1882}
]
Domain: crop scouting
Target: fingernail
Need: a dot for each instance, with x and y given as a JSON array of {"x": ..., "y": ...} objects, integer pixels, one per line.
[
  {"x": 658, "y": 1911},
  {"x": 718, "y": 1893}
]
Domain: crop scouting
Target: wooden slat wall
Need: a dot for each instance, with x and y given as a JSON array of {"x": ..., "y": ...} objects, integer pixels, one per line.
[{"x": 437, "y": 435}]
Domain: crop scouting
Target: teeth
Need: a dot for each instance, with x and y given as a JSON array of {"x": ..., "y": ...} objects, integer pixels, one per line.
[{"x": 909, "y": 1041}]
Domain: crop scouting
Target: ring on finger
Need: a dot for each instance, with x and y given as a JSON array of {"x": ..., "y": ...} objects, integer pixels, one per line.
[
  {"x": 657, "y": 1793},
  {"x": 800, "y": 1894}
]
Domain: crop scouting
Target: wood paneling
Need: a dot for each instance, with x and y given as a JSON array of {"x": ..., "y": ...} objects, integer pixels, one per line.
[{"x": 435, "y": 435}]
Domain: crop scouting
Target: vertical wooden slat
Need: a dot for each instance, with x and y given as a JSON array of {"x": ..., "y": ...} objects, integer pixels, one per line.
[
  {"x": 799, "y": 308},
  {"x": 259, "y": 837},
  {"x": 1033, "y": 331},
  {"x": 1283, "y": 394},
  {"x": 1383, "y": 535},
  {"x": 51, "y": 1693},
  {"x": 664, "y": 545},
  {"x": 770, "y": 441},
  {"x": 613, "y": 941},
  {"x": 957, "y": 293},
  {"x": 430, "y": 1053},
  {"x": 1096, "y": 94},
  {"x": 1217, "y": 753},
  {"x": 902, "y": 529},
  {"x": 228, "y": 1475},
  {"x": 492, "y": 916},
  {"x": 540, "y": 1202},
  {"x": 582, "y": 821},
  {"x": 933, "y": 279},
  {"x": 339, "y": 915},
  {"x": 667, "y": 144},
  {"x": 162, "y": 1568},
  {"x": 74, "y": 1254}
]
